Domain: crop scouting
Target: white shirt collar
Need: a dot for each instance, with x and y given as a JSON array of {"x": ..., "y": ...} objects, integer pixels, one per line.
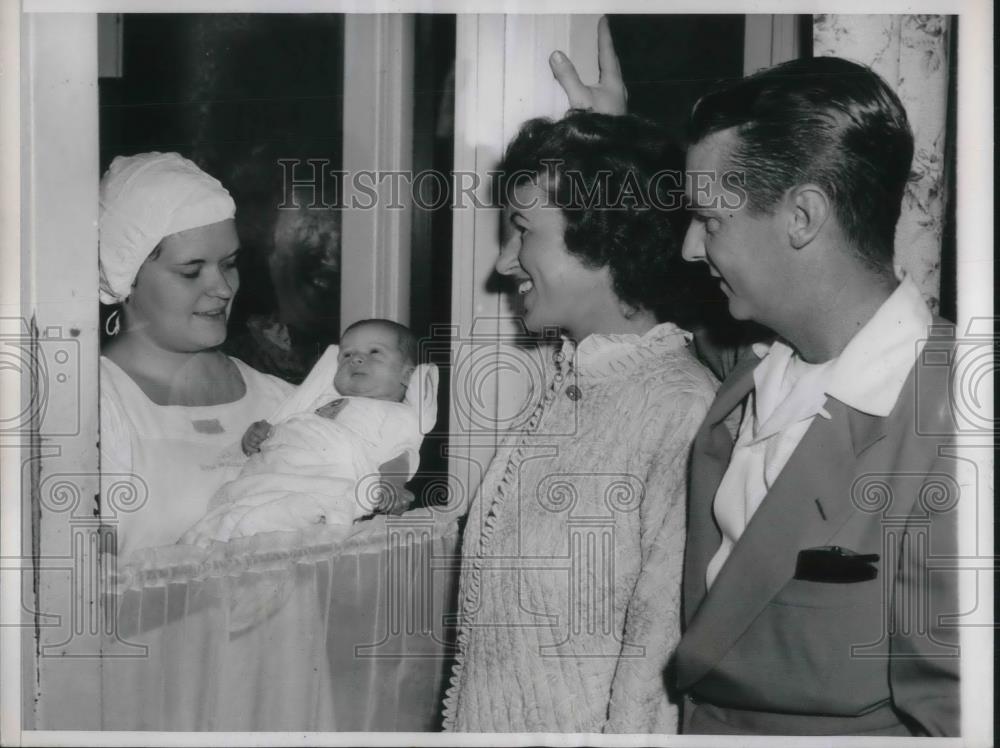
[
  {"x": 870, "y": 372},
  {"x": 787, "y": 390}
]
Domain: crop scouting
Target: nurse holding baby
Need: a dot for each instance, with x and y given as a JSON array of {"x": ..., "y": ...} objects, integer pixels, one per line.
[
  {"x": 175, "y": 409},
  {"x": 171, "y": 402},
  {"x": 230, "y": 647}
]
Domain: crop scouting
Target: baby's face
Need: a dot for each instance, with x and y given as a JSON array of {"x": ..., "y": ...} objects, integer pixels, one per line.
[{"x": 371, "y": 365}]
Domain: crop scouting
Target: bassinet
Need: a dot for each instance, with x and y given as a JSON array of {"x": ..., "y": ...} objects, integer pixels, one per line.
[{"x": 326, "y": 629}]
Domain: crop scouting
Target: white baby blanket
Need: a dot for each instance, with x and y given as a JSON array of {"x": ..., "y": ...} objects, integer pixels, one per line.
[{"x": 312, "y": 469}]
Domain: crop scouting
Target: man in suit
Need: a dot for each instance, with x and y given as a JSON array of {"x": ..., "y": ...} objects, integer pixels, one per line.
[
  {"x": 816, "y": 582},
  {"x": 817, "y": 587}
]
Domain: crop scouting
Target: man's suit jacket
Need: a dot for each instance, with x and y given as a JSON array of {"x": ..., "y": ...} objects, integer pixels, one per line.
[{"x": 764, "y": 652}]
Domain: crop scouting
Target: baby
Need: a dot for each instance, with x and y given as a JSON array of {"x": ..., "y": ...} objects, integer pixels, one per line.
[{"x": 305, "y": 469}]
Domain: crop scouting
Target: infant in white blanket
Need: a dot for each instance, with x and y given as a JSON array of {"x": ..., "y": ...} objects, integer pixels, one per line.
[{"x": 308, "y": 467}]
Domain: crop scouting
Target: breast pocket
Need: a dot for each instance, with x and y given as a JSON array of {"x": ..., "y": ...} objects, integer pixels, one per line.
[{"x": 802, "y": 593}]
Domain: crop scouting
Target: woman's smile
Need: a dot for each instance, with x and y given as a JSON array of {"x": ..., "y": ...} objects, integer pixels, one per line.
[
  {"x": 525, "y": 289},
  {"x": 214, "y": 314},
  {"x": 182, "y": 296},
  {"x": 555, "y": 287}
]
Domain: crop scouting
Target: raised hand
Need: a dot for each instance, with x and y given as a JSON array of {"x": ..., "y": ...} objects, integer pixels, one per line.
[{"x": 609, "y": 95}]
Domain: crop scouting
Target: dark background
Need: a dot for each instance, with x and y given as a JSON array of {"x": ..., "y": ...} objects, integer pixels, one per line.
[
  {"x": 234, "y": 93},
  {"x": 669, "y": 61}
]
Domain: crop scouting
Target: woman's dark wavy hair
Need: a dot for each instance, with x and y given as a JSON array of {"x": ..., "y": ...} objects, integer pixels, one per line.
[
  {"x": 823, "y": 120},
  {"x": 618, "y": 181}
]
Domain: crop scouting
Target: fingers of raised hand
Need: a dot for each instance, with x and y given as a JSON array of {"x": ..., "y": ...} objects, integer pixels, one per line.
[
  {"x": 580, "y": 96},
  {"x": 607, "y": 58},
  {"x": 608, "y": 95}
]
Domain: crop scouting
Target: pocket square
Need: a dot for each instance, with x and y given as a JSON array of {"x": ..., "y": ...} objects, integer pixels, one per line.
[{"x": 832, "y": 563}]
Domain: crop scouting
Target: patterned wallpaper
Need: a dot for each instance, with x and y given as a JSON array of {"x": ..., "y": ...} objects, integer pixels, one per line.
[{"x": 911, "y": 53}]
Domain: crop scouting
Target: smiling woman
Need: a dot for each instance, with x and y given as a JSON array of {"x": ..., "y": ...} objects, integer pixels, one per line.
[
  {"x": 556, "y": 288},
  {"x": 592, "y": 488},
  {"x": 184, "y": 292},
  {"x": 264, "y": 629},
  {"x": 170, "y": 401},
  {"x": 589, "y": 234}
]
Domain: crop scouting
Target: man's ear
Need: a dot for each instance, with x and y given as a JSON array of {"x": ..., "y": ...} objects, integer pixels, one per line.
[{"x": 810, "y": 209}]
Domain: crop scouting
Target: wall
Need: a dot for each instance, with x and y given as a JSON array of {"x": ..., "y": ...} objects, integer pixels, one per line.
[{"x": 912, "y": 53}]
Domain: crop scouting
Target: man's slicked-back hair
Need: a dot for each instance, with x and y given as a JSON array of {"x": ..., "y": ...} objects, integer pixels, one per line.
[{"x": 825, "y": 121}]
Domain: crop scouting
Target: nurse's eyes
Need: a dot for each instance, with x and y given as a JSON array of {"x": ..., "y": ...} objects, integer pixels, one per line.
[{"x": 225, "y": 266}]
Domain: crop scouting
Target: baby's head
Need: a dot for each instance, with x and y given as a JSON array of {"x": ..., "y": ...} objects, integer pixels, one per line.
[{"x": 377, "y": 357}]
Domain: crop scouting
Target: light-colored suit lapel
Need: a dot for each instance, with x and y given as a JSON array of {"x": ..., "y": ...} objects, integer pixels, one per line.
[{"x": 808, "y": 503}]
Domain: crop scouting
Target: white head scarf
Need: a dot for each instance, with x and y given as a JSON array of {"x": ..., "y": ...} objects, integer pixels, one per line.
[{"x": 145, "y": 198}]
